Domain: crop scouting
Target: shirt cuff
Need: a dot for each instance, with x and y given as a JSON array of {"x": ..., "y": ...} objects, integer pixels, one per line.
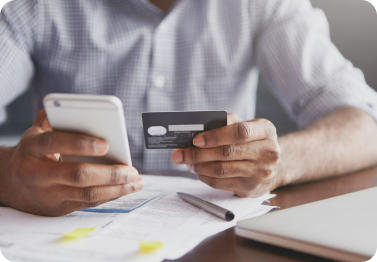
[{"x": 324, "y": 101}]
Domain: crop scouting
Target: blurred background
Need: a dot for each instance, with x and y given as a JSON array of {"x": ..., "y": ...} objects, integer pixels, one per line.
[{"x": 353, "y": 26}]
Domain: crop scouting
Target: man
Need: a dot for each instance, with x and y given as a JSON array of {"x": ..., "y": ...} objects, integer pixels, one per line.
[{"x": 167, "y": 55}]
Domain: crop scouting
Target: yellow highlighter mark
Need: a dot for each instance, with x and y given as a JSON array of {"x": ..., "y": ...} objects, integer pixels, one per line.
[
  {"x": 77, "y": 233},
  {"x": 146, "y": 247},
  {"x": 80, "y": 232}
]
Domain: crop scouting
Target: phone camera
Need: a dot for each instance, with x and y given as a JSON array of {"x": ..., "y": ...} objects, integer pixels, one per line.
[{"x": 57, "y": 103}]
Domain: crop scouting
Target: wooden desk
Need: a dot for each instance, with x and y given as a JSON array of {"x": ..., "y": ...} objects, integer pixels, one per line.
[{"x": 226, "y": 246}]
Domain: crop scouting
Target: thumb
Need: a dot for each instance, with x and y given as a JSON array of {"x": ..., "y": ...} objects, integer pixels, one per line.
[
  {"x": 233, "y": 118},
  {"x": 42, "y": 121}
]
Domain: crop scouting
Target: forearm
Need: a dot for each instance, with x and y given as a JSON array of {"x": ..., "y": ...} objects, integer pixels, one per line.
[{"x": 340, "y": 143}]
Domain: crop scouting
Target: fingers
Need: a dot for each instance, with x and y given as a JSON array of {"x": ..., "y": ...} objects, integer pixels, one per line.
[
  {"x": 97, "y": 194},
  {"x": 66, "y": 143},
  {"x": 60, "y": 188},
  {"x": 233, "y": 118},
  {"x": 243, "y": 187},
  {"x": 70, "y": 206},
  {"x": 237, "y": 133},
  {"x": 49, "y": 142},
  {"x": 261, "y": 150},
  {"x": 229, "y": 169},
  {"x": 230, "y": 184},
  {"x": 88, "y": 175}
]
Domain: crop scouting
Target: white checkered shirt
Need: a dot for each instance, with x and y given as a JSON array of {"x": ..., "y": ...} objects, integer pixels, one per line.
[{"x": 203, "y": 55}]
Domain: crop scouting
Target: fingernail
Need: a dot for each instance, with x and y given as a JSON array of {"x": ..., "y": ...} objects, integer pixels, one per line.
[
  {"x": 132, "y": 176},
  {"x": 199, "y": 141},
  {"x": 177, "y": 156},
  {"x": 138, "y": 184},
  {"x": 99, "y": 146}
]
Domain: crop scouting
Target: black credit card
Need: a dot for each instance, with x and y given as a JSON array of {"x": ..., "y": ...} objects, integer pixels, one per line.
[{"x": 178, "y": 129}]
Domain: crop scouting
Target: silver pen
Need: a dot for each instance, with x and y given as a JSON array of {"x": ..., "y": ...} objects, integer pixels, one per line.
[{"x": 207, "y": 206}]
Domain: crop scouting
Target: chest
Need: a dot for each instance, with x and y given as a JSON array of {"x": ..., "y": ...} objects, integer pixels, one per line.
[{"x": 198, "y": 39}]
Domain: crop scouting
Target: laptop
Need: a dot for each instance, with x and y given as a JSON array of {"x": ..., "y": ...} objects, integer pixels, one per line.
[{"x": 341, "y": 228}]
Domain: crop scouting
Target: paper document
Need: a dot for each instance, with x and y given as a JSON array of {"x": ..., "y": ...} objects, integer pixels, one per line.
[
  {"x": 131, "y": 202},
  {"x": 117, "y": 230},
  {"x": 241, "y": 207}
]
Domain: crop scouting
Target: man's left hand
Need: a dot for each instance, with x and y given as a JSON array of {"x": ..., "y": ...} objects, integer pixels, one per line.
[{"x": 241, "y": 157}]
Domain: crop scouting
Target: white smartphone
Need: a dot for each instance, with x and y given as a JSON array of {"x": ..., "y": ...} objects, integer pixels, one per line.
[{"x": 96, "y": 115}]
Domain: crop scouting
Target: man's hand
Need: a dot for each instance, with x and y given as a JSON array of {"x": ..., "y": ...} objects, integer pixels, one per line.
[
  {"x": 34, "y": 181},
  {"x": 241, "y": 157}
]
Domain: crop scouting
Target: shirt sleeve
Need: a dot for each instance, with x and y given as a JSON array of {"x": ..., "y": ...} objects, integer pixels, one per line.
[
  {"x": 301, "y": 65},
  {"x": 18, "y": 21}
]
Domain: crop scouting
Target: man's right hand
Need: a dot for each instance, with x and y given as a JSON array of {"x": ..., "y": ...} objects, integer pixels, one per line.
[{"x": 33, "y": 180}]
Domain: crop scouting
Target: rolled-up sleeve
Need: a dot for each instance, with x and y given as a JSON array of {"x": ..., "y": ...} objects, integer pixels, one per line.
[
  {"x": 303, "y": 68},
  {"x": 18, "y": 23}
]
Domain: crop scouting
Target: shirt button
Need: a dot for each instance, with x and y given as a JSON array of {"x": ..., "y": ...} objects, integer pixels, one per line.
[
  {"x": 163, "y": 27},
  {"x": 160, "y": 81}
]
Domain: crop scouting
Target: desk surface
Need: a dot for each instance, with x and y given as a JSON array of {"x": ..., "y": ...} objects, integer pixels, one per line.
[{"x": 226, "y": 246}]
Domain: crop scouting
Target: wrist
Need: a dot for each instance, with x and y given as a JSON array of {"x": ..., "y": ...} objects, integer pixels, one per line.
[
  {"x": 285, "y": 169},
  {"x": 282, "y": 177}
]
